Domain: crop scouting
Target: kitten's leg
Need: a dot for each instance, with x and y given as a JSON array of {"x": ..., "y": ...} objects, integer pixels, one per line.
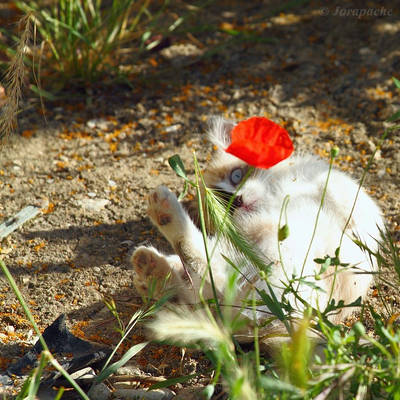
[
  {"x": 175, "y": 224},
  {"x": 157, "y": 271}
]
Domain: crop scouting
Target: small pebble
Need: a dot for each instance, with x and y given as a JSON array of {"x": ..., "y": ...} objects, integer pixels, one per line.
[
  {"x": 95, "y": 205},
  {"x": 172, "y": 128},
  {"x": 10, "y": 329},
  {"x": 133, "y": 394},
  {"x": 127, "y": 243},
  {"x": 381, "y": 173},
  {"x": 85, "y": 373}
]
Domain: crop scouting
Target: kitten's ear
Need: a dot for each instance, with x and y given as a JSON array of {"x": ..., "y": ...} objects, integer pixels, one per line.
[{"x": 219, "y": 132}]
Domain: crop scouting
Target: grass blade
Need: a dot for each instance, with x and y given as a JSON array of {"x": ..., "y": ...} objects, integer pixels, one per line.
[
  {"x": 21, "y": 300},
  {"x": 66, "y": 375},
  {"x": 105, "y": 373},
  {"x": 396, "y": 82}
]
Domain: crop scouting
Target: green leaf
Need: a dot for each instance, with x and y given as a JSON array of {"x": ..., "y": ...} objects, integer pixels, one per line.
[
  {"x": 396, "y": 82},
  {"x": 42, "y": 93},
  {"x": 177, "y": 165},
  {"x": 124, "y": 359},
  {"x": 311, "y": 284},
  {"x": 325, "y": 265},
  {"x": 394, "y": 117},
  {"x": 332, "y": 306},
  {"x": 272, "y": 384},
  {"x": 272, "y": 303}
]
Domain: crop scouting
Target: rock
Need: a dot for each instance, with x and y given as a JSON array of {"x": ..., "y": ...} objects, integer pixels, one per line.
[
  {"x": 190, "y": 394},
  {"x": 359, "y": 134},
  {"x": 181, "y": 54},
  {"x": 132, "y": 370},
  {"x": 99, "y": 123},
  {"x": 85, "y": 373},
  {"x": 365, "y": 51},
  {"x": 133, "y": 394},
  {"x": 46, "y": 393},
  {"x": 99, "y": 392},
  {"x": 380, "y": 173},
  {"x": 5, "y": 380},
  {"x": 93, "y": 204},
  {"x": 10, "y": 329},
  {"x": 172, "y": 128},
  {"x": 127, "y": 243}
]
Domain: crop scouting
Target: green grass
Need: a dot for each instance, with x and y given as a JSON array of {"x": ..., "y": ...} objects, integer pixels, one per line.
[
  {"x": 351, "y": 363},
  {"x": 78, "y": 42},
  {"x": 348, "y": 362},
  {"x": 345, "y": 363},
  {"x": 74, "y": 44},
  {"x": 83, "y": 41}
]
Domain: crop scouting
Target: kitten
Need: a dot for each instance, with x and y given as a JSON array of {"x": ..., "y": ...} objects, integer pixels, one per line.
[{"x": 256, "y": 212}]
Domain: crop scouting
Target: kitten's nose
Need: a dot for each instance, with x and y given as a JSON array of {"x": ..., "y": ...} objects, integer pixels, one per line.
[{"x": 238, "y": 201}]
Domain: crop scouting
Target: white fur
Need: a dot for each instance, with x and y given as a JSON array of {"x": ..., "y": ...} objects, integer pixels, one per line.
[{"x": 302, "y": 177}]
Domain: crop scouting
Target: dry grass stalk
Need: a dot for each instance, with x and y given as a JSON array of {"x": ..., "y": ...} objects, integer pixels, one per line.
[{"x": 14, "y": 81}]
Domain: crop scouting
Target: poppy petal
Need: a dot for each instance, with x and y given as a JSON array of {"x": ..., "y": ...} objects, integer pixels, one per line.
[{"x": 260, "y": 142}]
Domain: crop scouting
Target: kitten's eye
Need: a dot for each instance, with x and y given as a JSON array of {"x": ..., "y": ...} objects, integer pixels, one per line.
[{"x": 236, "y": 176}]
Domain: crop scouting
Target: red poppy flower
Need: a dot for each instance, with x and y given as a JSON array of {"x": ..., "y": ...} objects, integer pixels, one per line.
[{"x": 260, "y": 142}]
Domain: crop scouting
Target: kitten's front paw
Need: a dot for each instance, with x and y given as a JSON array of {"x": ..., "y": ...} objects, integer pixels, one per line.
[
  {"x": 166, "y": 212},
  {"x": 152, "y": 271}
]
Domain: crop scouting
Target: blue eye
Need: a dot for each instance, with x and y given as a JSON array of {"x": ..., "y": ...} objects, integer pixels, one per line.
[{"x": 236, "y": 176}]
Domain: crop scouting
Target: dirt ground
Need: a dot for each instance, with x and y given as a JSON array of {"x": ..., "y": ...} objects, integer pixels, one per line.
[{"x": 322, "y": 72}]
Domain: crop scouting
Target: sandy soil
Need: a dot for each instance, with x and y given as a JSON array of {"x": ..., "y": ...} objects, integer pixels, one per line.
[{"x": 326, "y": 78}]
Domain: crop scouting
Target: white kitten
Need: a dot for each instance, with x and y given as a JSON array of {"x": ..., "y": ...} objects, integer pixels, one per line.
[{"x": 256, "y": 213}]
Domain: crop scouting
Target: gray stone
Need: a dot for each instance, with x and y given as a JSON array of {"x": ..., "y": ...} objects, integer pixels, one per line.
[
  {"x": 134, "y": 394},
  {"x": 99, "y": 392},
  {"x": 5, "y": 380}
]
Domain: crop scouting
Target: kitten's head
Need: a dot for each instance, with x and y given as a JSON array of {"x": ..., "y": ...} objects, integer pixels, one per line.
[{"x": 225, "y": 172}]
